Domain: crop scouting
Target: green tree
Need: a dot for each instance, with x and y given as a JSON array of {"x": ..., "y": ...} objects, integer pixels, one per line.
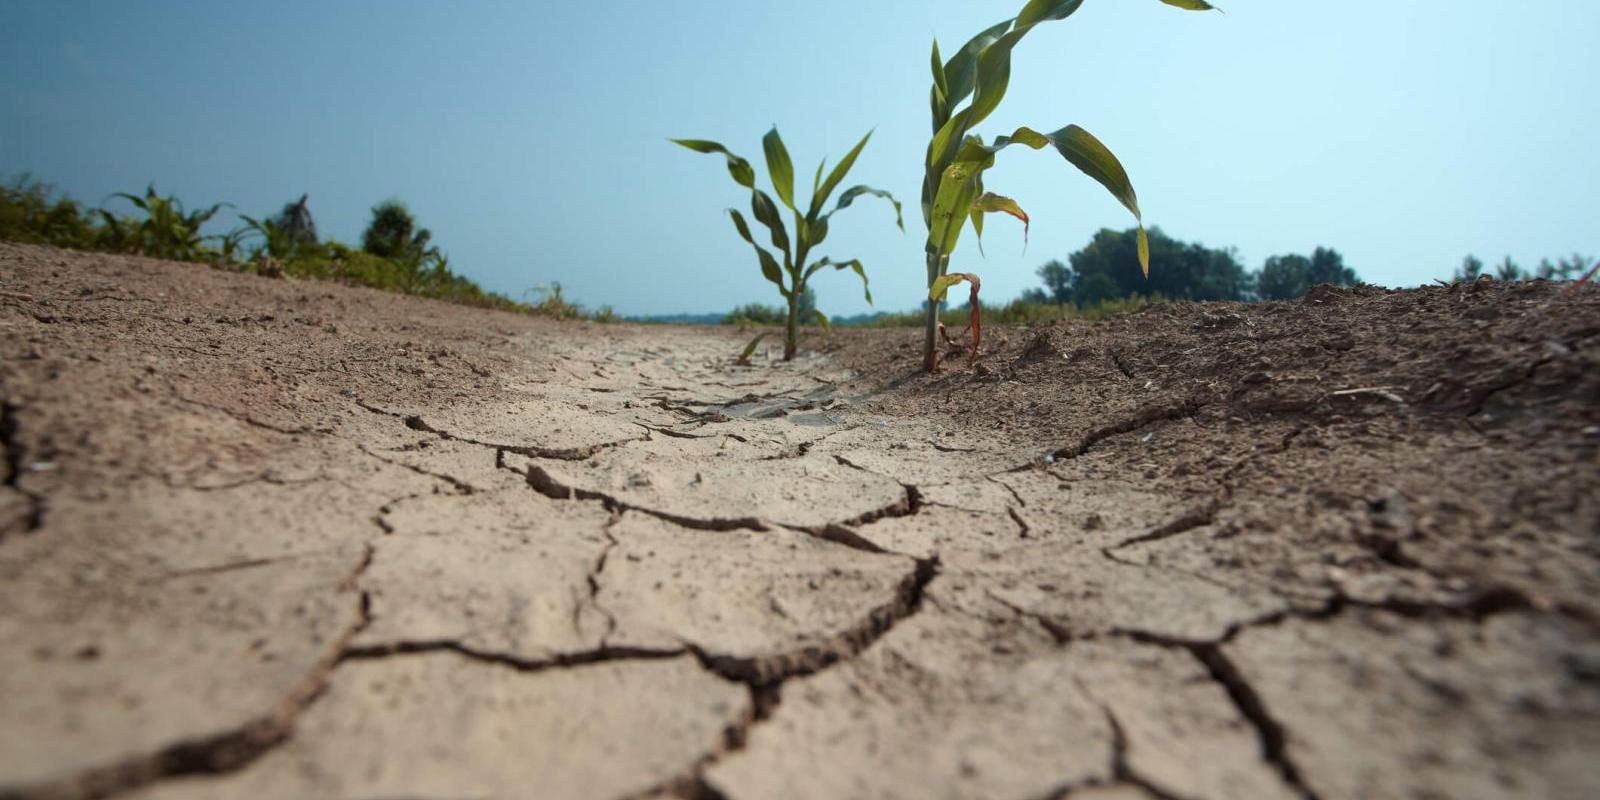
[
  {"x": 1471, "y": 268},
  {"x": 1289, "y": 276},
  {"x": 393, "y": 233},
  {"x": 1057, "y": 278},
  {"x": 1189, "y": 271},
  {"x": 1096, "y": 289},
  {"x": 1284, "y": 277},
  {"x": 1327, "y": 266}
]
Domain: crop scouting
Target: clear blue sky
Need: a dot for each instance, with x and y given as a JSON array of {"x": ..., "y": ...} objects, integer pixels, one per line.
[{"x": 531, "y": 137}]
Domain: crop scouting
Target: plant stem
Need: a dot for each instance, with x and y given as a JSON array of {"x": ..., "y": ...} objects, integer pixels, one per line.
[
  {"x": 790, "y": 340},
  {"x": 936, "y": 264}
]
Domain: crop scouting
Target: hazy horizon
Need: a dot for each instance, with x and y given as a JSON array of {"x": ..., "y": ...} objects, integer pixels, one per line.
[{"x": 533, "y": 142}]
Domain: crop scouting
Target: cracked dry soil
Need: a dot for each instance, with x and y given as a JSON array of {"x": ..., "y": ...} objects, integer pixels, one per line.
[{"x": 276, "y": 539}]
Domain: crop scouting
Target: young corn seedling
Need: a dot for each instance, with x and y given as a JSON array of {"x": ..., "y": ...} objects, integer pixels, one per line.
[
  {"x": 167, "y": 231},
  {"x": 952, "y": 185},
  {"x": 810, "y": 225}
]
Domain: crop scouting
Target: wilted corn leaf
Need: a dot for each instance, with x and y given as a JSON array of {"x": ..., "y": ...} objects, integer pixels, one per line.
[{"x": 990, "y": 203}]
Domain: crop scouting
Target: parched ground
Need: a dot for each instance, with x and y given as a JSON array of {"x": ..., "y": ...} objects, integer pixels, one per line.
[{"x": 294, "y": 540}]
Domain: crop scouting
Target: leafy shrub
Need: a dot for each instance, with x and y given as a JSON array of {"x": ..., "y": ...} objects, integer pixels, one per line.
[
  {"x": 31, "y": 212},
  {"x": 284, "y": 245},
  {"x": 167, "y": 231}
]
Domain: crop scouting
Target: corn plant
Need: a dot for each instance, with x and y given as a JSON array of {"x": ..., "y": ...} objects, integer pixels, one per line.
[
  {"x": 167, "y": 231},
  {"x": 810, "y": 226},
  {"x": 274, "y": 240},
  {"x": 952, "y": 185},
  {"x": 229, "y": 245}
]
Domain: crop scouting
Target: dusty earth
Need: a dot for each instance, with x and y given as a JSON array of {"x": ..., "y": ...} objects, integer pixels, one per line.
[{"x": 294, "y": 540}]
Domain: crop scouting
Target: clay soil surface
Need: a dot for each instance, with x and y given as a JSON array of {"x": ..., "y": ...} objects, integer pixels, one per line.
[{"x": 280, "y": 539}]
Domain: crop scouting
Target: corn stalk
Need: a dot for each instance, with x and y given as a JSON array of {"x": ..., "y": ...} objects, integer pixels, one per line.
[
  {"x": 952, "y": 186},
  {"x": 810, "y": 225}
]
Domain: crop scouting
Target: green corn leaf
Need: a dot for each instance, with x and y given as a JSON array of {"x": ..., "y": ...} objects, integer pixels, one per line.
[
  {"x": 936, "y": 95},
  {"x": 861, "y": 272},
  {"x": 136, "y": 200},
  {"x": 779, "y": 168},
  {"x": 820, "y": 197},
  {"x": 822, "y": 319},
  {"x": 766, "y": 213},
  {"x": 1022, "y": 136},
  {"x": 1038, "y": 11},
  {"x": 750, "y": 349},
  {"x": 942, "y": 148},
  {"x": 853, "y": 192},
  {"x": 990, "y": 203},
  {"x": 853, "y": 265},
  {"x": 941, "y": 285},
  {"x": 994, "y": 76},
  {"x": 199, "y": 218},
  {"x": 817, "y": 231},
  {"x": 1078, "y": 147},
  {"x": 816, "y": 180},
  {"x": 1191, "y": 5},
  {"x": 739, "y": 168},
  {"x": 769, "y": 265},
  {"x": 994, "y": 61},
  {"x": 951, "y": 205},
  {"x": 960, "y": 72},
  {"x": 1097, "y": 161},
  {"x": 961, "y": 77},
  {"x": 975, "y": 214}
]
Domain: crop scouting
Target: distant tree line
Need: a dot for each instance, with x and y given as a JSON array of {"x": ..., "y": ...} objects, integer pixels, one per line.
[
  {"x": 759, "y": 314},
  {"x": 1108, "y": 269}
]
